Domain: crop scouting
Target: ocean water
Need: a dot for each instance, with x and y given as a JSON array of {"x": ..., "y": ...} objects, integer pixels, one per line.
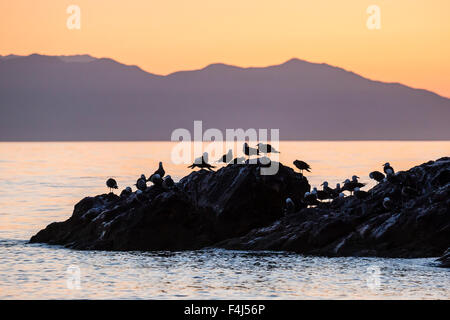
[{"x": 41, "y": 182}]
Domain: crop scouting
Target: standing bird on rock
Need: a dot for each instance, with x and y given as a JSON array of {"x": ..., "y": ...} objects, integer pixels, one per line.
[
  {"x": 141, "y": 184},
  {"x": 388, "y": 169},
  {"x": 321, "y": 194},
  {"x": 331, "y": 192},
  {"x": 266, "y": 148},
  {"x": 168, "y": 183},
  {"x": 351, "y": 185},
  {"x": 202, "y": 163},
  {"x": 290, "y": 206},
  {"x": 310, "y": 198},
  {"x": 159, "y": 172},
  {"x": 302, "y": 165},
  {"x": 126, "y": 192},
  {"x": 156, "y": 179},
  {"x": 226, "y": 158},
  {"x": 249, "y": 151},
  {"x": 111, "y": 184},
  {"x": 377, "y": 176}
]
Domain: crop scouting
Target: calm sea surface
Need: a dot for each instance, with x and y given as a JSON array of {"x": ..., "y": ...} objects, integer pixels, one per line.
[{"x": 41, "y": 182}]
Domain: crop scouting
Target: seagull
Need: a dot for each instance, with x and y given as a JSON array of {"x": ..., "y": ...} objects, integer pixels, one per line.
[
  {"x": 168, "y": 182},
  {"x": 338, "y": 188},
  {"x": 266, "y": 148},
  {"x": 202, "y": 162},
  {"x": 311, "y": 198},
  {"x": 126, "y": 192},
  {"x": 226, "y": 158},
  {"x": 159, "y": 172},
  {"x": 388, "y": 169},
  {"x": 290, "y": 206},
  {"x": 249, "y": 151},
  {"x": 141, "y": 184},
  {"x": 331, "y": 192},
  {"x": 351, "y": 185},
  {"x": 377, "y": 176},
  {"x": 302, "y": 165},
  {"x": 321, "y": 195},
  {"x": 156, "y": 179},
  {"x": 111, "y": 184}
]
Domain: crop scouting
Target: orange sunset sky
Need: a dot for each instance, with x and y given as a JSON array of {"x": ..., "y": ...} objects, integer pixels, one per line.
[{"x": 412, "y": 46}]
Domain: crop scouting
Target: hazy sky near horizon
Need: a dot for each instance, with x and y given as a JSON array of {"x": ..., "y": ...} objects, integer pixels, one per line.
[{"x": 412, "y": 46}]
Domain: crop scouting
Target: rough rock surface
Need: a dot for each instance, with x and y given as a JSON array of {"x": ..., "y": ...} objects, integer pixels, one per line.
[
  {"x": 416, "y": 226},
  {"x": 202, "y": 209},
  {"x": 444, "y": 261}
]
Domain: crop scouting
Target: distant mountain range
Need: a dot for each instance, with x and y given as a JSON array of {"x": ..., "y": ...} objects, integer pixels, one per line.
[{"x": 85, "y": 98}]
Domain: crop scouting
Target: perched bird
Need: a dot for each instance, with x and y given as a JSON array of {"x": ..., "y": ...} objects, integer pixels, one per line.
[
  {"x": 159, "y": 172},
  {"x": 310, "y": 198},
  {"x": 290, "y": 206},
  {"x": 168, "y": 183},
  {"x": 377, "y": 176},
  {"x": 141, "y": 184},
  {"x": 388, "y": 169},
  {"x": 351, "y": 185},
  {"x": 126, "y": 192},
  {"x": 388, "y": 204},
  {"x": 266, "y": 148},
  {"x": 333, "y": 193},
  {"x": 202, "y": 162},
  {"x": 240, "y": 160},
  {"x": 302, "y": 165},
  {"x": 338, "y": 188},
  {"x": 361, "y": 195},
  {"x": 393, "y": 178},
  {"x": 226, "y": 158},
  {"x": 249, "y": 151},
  {"x": 111, "y": 184},
  {"x": 143, "y": 177},
  {"x": 156, "y": 179},
  {"x": 321, "y": 194}
]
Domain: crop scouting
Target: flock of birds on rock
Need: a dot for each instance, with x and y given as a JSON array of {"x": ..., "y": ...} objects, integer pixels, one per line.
[
  {"x": 353, "y": 186},
  {"x": 312, "y": 198},
  {"x": 158, "y": 178}
]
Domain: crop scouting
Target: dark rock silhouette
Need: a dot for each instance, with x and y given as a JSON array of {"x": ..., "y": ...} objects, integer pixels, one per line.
[
  {"x": 202, "y": 209},
  {"x": 237, "y": 208},
  {"x": 444, "y": 260},
  {"x": 416, "y": 226}
]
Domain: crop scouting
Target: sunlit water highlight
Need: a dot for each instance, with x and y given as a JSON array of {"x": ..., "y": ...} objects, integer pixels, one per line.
[{"x": 40, "y": 183}]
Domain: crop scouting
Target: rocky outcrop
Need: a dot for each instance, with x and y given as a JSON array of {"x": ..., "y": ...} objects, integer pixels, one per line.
[
  {"x": 444, "y": 260},
  {"x": 237, "y": 208},
  {"x": 202, "y": 209},
  {"x": 417, "y": 225}
]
